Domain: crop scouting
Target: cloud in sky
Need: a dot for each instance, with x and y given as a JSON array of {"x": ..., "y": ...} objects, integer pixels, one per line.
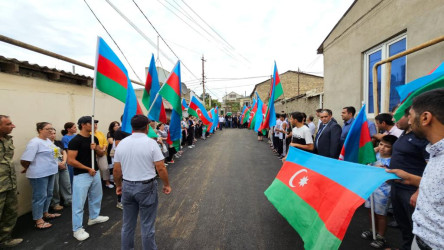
[{"x": 259, "y": 31}]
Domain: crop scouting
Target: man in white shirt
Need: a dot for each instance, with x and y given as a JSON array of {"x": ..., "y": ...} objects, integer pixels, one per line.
[
  {"x": 427, "y": 121},
  {"x": 384, "y": 121},
  {"x": 138, "y": 157}
]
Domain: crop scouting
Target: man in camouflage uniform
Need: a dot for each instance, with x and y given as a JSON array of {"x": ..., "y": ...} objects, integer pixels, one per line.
[{"x": 8, "y": 185}]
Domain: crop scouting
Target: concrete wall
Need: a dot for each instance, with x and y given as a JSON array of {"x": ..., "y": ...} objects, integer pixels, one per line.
[
  {"x": 368, "y": 24},
  {"x": 29, "y": 100}
]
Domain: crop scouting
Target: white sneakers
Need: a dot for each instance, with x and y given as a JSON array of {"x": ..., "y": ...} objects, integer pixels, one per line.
[
  {"x": 99, "y": 219},
  {"x": 81, "y": 234}
]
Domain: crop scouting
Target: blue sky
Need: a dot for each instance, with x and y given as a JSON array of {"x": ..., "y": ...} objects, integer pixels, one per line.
[{"x": 257, "y": 33}]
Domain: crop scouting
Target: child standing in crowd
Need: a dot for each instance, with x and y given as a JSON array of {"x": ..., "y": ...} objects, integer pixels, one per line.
[{"x": 381, "y": 196}]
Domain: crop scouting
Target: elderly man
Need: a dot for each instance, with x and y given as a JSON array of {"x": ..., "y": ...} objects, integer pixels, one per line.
[
  {"x": 328, "y": 138},
  {"x": 137, "y": 158},
  {"x": 8, "y": 187},
  {"x": 427, "y": 119}
]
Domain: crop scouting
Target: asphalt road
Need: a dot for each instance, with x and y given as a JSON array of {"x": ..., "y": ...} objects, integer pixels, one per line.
[{"x": 217, "y": 202}]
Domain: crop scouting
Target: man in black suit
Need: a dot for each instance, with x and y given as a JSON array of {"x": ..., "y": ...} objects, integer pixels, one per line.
[{"x": 328, "y": 138}]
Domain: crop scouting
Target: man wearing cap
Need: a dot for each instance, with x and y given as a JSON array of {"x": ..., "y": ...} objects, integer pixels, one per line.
[
  {"x": 86, "y": 182},
  {"x": 137, "y": 158}
]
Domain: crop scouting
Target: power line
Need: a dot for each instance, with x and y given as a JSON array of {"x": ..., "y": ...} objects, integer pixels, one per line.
[
  {"x": 103, "y": 26},
  {"x": 162, "y": 38},
  {"x": 222, "y": 49},
  {"x": 217, "y": 33}
]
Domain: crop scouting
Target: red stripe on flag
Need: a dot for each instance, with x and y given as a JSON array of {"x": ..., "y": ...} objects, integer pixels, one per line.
[
  {"x": 172, "y": 81},
  {"x": 334, "y": 203},
  {"x": 110, "y": 70},
  {"x": 365, "y": 134},
  {"x": 148, "y": 83}
]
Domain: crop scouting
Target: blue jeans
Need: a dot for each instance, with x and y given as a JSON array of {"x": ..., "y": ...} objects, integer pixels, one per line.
[
  {"x": 71, "y": 173},
  {"x": 139, "y": 198},
  {"x": 41, "y": 195},
  {"x": 85, "y": 185}
]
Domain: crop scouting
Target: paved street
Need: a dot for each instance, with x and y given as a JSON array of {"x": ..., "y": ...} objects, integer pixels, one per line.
[{"x": 217, "y": 202}]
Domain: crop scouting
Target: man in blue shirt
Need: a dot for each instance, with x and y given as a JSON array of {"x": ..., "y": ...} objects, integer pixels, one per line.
[{"x": 348, "y": 115}]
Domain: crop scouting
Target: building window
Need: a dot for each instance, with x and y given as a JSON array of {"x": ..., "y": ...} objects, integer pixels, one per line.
[{"x": 398, "y": 72}]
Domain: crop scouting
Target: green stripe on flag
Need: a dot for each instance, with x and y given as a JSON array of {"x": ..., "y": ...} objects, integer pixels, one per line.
[
  {"x": 278, "y": 91},
  {"x": 302, "y": 217},
  {"x": 110, "y": 87},
  {"x": 170, "y": 95},
  {"x": 438, "y": 83},
  {"x": 367, "y": 153},
  {"x": 193, "y": 112}
]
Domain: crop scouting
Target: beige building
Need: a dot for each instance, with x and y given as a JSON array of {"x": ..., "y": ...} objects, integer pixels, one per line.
[
  {"x": 373, "y": 30},
  {"x": 302, "y": 92},
  {"x": 294, "y": 83}
]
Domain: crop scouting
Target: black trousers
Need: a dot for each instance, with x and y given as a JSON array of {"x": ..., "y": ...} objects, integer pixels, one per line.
[
  {"x": 190, "y": 136},
  {"x": 280, "y": 148},
  {"x": 403, "y": 213}
]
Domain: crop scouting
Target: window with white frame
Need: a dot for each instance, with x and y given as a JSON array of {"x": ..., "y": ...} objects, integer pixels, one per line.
[{"x": 398, "y": 72}]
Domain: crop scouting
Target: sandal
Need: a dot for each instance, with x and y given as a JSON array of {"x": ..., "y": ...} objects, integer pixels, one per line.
[
  {"x": 51, "y": 216},
  {"x": 367, "y": 235},
  {"x": 42, "y": 225},
  {"x": 379, "y": 242}
]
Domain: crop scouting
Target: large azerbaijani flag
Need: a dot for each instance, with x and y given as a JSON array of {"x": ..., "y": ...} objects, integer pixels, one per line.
[
  {"x": 318, "y": 195},
  {"x": 152, "y": 87},
  {"x": 198, "y": 110},
  {"x": 246, "y": 115},
  {"x": 111, "y": 77},
  {"x": 171, "y": 91},
  {"x": 259, "y": 116},
  {"x": 358, "y": 146}
]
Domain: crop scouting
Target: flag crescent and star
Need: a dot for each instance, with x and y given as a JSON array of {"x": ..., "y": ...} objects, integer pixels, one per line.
[{"x": 302, "y": 181}]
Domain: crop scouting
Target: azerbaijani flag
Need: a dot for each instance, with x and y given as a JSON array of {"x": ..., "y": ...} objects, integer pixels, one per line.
[
  {"x": 405, "y": 90},
  {"x": 111, "y": 77},
  {"x": 242, "y": 113},
  {"x": 184, "y": 104},
  {"x": 318, "y": 195},
  {"x": 253, "y": 111},
  {"x": 278, "y": 90},
  {"x": 358, "y": 145},
  {"x": 152, "y": 87},
  {"x": 215, "y": 118},
  {"x": 198, "y": 110},
  {"x": 246, "y": 115},
  {"x": 270, "y": 113},
  {"x": 433, "y": 84},
  {"x": 259, "y": 116},
  {"x": 171, "y": 91}
]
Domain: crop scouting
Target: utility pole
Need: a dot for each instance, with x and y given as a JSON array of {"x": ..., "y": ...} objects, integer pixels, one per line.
[
  {"x": 203, "y": 78},
  {"x": 299, "y": 72}
]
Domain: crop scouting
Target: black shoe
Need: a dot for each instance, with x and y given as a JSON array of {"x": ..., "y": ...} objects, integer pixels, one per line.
[{"x": 393, "y": 224}]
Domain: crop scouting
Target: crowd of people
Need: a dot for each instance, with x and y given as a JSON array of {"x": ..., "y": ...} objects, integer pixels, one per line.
[
  {"x": 63, "y": 173},
  {"x": 412, "y": 147}
]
